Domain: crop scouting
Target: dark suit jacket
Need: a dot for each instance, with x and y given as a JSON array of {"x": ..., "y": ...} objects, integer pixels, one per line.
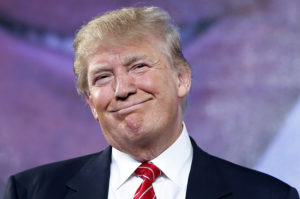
[{"x": 88, "y": 178}]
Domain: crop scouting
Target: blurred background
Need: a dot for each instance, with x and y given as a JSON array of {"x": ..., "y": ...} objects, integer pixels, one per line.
[{"x": 244, "y": 105}]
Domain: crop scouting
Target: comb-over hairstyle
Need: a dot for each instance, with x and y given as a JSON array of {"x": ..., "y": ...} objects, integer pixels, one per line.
[{"x": 127, "y": 24}]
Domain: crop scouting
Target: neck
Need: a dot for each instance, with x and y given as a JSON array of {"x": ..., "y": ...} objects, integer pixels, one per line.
[{"x": 150, "y": 149}]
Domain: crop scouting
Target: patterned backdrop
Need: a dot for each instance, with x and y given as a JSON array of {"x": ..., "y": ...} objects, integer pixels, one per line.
[{"x": 244, "y": 105}]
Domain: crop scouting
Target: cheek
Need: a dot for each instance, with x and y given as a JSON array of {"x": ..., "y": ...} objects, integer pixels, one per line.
[
  {"x": 101, "y": 98},
  {"x": 151, "y": 83}
]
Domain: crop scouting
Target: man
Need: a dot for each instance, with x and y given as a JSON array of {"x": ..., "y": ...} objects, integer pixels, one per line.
[{"x": 130, "y": 68}]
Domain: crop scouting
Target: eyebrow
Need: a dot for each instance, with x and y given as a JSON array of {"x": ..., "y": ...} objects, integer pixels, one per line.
[
  {"x": 126, "y": 62},
  {"x": 130, "y": 60},
  {"x": 98, "y": 69}
]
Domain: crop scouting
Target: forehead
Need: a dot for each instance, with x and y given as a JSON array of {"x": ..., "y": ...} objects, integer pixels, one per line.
[{"x": 126, "y": 52}]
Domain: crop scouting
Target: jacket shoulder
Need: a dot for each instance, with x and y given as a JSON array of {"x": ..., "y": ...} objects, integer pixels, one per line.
[
  {"x": 224, "y": 178},
  {"x": 46, "y": 181},
  {"x": 62, "y": 168},
  {"x": 247, "y": 181}
]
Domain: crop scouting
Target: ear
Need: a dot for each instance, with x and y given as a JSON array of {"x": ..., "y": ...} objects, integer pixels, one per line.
[
  {"x": 89, "y": 100},
  {"x": 184, "y": 82}
]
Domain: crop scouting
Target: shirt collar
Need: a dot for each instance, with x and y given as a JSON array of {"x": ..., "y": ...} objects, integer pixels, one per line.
[
  {"x": 178, "y": 156},
  {"x": 167, "y": 161},
  {"x": 125, "y": 165}
]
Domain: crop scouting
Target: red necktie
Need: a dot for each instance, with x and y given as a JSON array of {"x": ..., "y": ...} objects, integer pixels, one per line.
[{"x": 148, "y": 172}]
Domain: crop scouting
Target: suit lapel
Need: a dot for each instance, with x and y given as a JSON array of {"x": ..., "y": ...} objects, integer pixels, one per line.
[
  {"x": 205, "y": 181},
  {"x": 92, "y": 180}
]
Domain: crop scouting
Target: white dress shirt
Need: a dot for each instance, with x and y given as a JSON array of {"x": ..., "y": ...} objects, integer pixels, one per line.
[{"x": 175, "y": 164}]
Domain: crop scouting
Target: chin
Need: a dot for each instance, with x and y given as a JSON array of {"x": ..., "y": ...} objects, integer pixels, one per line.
[
  {"x": 134, "y": 123},
  {"x": 138, "y": 132}
]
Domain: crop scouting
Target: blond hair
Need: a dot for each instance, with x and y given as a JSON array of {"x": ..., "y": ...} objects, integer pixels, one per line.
[{"x": 124, "y": 24}]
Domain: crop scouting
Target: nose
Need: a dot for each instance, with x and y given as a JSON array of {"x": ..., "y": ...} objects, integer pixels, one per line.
[{"x": 124, "y": 86}]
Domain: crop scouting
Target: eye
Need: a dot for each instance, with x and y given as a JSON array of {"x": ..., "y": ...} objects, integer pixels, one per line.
[
  {"x": 139, "y": 67},
  {"x": 102, "y": 76},
  {"x": 101, "y": 79}
]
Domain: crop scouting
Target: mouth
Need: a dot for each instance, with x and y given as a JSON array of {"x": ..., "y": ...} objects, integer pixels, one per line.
[{"x": 126, "y": 108}]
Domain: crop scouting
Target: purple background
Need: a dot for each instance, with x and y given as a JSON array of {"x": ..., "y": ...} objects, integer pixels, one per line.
[{"x": 244, "y": 105}]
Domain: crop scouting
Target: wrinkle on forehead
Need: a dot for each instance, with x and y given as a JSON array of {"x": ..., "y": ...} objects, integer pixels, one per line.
[
  {"x": 125, "y": 60},
  {"x": 116, "y": 49}
]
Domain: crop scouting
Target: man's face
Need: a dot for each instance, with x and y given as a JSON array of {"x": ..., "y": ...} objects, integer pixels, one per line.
[{"x": 135, "y": 94}]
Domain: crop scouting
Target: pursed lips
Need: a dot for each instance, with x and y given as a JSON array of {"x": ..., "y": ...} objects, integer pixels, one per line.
[{"x": 127, "y": 106}]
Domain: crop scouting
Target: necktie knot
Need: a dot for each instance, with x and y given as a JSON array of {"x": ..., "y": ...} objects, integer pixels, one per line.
[{"x": 148, "y": 171}]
